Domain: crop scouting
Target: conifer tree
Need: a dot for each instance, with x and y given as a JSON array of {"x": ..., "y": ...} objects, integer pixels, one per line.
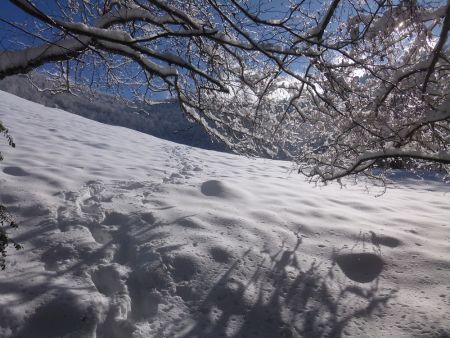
[{"x": 6, "y": 220}]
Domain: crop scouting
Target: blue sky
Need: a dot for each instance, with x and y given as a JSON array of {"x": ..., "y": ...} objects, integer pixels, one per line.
[
  {"x": 9, "y": 12},
  {"x": 11, "y": 38}
]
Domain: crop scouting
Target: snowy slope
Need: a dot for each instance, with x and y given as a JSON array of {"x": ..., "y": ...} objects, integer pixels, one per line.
[
  {"x": 161, "y": 119},
  {"x": 126, "y": 235}
]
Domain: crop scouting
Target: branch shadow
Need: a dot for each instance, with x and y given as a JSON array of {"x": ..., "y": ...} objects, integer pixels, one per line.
[{"x": 284, "y": 299}]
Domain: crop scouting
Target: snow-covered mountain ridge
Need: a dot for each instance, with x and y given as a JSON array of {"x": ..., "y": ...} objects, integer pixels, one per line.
[{"x": 127, "y": 235}]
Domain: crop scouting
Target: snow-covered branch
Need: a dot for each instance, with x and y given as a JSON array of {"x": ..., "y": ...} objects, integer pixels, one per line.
[{"x": 338, "y": 86}]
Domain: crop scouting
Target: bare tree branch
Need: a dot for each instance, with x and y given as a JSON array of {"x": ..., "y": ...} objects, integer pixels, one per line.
[{"x": 334, "y": 85}]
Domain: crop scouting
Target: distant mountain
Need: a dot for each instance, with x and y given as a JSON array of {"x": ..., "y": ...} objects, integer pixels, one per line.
[{"x": 161, "y": 119}]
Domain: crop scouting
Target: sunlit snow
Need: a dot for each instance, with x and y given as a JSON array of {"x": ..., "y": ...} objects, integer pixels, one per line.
[{"x": 126, "y": 235}]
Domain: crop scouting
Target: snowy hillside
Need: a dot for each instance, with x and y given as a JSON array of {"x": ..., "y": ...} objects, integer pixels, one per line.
[
  {"x": 126, "y": 235},
  {"x": 161, "y": 119}
]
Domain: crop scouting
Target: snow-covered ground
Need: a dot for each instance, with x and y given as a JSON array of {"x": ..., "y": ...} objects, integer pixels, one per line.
[
  {"x": 161, "y": 119},
  {"x": 126, "y": 235}
]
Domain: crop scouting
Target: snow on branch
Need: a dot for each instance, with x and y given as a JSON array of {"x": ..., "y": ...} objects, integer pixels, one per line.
[{"x": 338, "y": 86}]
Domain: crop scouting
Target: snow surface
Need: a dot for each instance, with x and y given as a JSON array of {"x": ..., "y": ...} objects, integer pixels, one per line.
[
  {"x": 161, "y": 119},
  {"x": 127, "y": 235}
]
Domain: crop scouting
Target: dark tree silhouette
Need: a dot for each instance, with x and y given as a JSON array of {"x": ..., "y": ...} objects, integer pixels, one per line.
[{"x": 6, "y": 220}]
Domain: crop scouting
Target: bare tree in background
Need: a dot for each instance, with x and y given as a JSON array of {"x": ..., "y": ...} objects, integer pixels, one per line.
[{"x": 338, "y": 85}]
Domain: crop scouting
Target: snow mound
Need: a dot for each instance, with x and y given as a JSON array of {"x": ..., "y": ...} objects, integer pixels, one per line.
[
  {"x": 360, "y": 267},
  {"x": 126, "y": 235},
  {"x": 220, "y": 189}
]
